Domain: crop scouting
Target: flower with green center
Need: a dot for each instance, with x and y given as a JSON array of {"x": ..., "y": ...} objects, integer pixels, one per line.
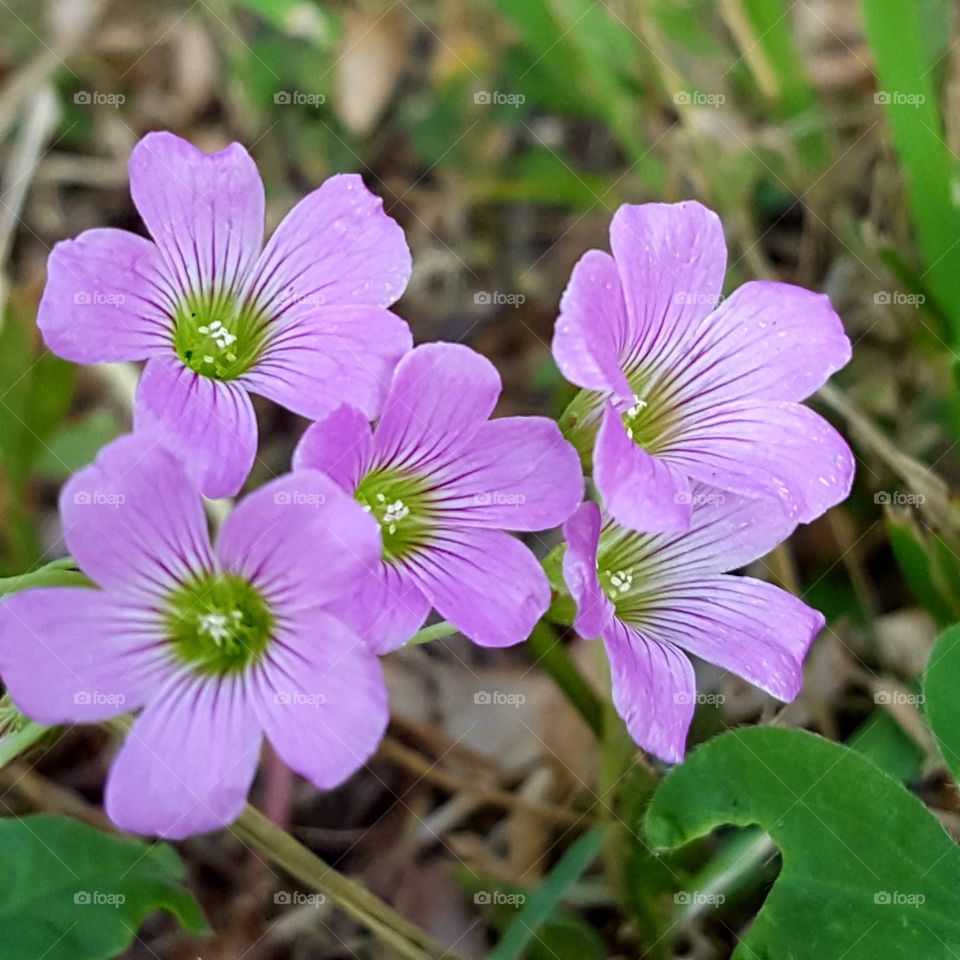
[
  {"x": 653, "y": 598},
  {"x": 302, "y": 321},
  {"x": 443, "y": 482},
  {"x": 681, "y": 388},
  {"x": 219, "y": 644}
]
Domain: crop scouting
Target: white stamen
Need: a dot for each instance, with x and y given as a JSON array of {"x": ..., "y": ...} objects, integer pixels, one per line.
[
  {"x": 620, "y": 580},
  {"x": 218, "y": 625}
]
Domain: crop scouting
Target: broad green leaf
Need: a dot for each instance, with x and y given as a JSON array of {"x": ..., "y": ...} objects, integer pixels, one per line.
[
  {"x": 941, "y": 689},
  {"x": 75, "y": 892},
  {"x": 867, "y": 871},
  {"x": 541, "y": 903}
]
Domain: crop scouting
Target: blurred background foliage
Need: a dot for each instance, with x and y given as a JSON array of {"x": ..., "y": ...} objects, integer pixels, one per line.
[{"x": 502, "y": 135}]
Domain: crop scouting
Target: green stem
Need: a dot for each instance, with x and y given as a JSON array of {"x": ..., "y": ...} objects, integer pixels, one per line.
[
  {"x": 353, "y": 898},
  {"x": 58, "y": 573},
  {"x": 435, "y": 631},
  {"x": 552, "y": 656},
  {"x": 16, "y": 743}
]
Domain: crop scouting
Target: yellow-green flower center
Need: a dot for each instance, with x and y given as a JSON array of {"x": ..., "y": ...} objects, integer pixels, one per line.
[
  {"x": 398, "y": 502},
  {"x": 218, "y": 624},
  {"x": 218, "y": 337}
]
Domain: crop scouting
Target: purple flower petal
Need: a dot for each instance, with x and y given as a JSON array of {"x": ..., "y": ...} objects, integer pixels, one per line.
[
  {"x": 752, "y": 628},
  {"x": 441, "y": 394},
  {"x": 486, "y": 583},
  {"x": 205, "y": 211},
  {"x": 335, "y": 247},
  {"x": 331, "y": 355},
  {"x": 726, "y": 532},
  {"x": 301, "y": 540},
  {"x": 671, "y": 258},
  {"x": 767, "y": 341},
  {"x": 389, "y": 608},
  {"x": 594, "y": 608},
  {"x": 518, "y": 474},
  {"x": 210, "y": 423},
  {"x": 640, "y": 491},
  {"x": 106, "y": 299},
  {"x": 592, "y": 330},
  {"x": 188, "y": 761},
  {"x": 339, "y": 445},
  {"x": 73, "y": 655},
  {"x": 321, "y": 699},
  {"x": 781, "y": 450},
  {"x": 132, "y": 520},
  {"x": 654, "y": 690}
]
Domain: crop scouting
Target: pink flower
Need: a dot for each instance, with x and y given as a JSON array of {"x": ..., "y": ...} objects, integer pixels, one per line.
[
  {"x": 655, "y": 597},
  {"x": 683, "y": 387},
  {"x": 444, "y": 482},
  {"x": 301, "y": 321},
  {"x": 219, "y": 644}
]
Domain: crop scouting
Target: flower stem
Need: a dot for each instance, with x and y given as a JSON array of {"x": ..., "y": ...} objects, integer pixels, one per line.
[
  {"x": 13, "y": 745},
  {"x": 394, "y": 930},
  {"x": 553, "y": 657},
  {"x": 435, "y": 631}
]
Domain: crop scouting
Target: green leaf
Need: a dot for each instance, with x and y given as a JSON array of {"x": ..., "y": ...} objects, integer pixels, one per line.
[
  {"x": 898, "y": 38},
  {"x": 771, "y": 38},
  {"x": 75, "y": 445},
  {"x": 72, "y": 891},
  {"x": 582, "y": 49},
  {"x": 913, "y": 558},
  {"x": 941, "y": 690},
  {"x": 867, "y": 871},
  {"x": 540, "y": 904}
]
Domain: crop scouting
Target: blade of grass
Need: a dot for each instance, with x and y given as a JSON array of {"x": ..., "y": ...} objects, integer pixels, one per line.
[
  {"x": 542, "y": 902},
  {"x": 762, "y": 31},
  {"x": 895, "y": 33}
]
